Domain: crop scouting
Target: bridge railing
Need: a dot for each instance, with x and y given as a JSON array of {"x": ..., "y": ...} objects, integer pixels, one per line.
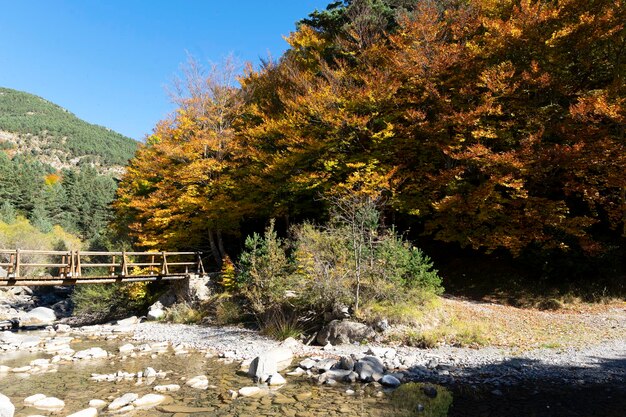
[{"x": 96, "y": 266}]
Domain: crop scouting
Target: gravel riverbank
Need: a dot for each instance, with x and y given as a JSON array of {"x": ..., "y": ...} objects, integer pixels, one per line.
[{"x": 601, "y": 363}]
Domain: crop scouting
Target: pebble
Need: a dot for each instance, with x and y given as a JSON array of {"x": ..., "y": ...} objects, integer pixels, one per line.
[
  {"x": 87, "y": 412},
  {"x": 149, "y": 400},
  {"x": 123, "y": 401},
  {"x": 97, "y": 404},
  {"x": 49, "y": 403},
  {"x": 249, "y": 391},
  {"x": 167, "y": 388}
]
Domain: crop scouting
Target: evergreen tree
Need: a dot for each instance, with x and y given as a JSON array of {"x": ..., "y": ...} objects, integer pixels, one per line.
[
  {"x": 7, "y": 212},
  {"x": 40, "y": 219}
]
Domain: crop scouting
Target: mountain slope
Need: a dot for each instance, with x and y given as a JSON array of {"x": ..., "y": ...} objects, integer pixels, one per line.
[{"x": 31, "y": 125}]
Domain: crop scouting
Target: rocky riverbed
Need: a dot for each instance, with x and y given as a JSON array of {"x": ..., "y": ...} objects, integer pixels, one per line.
[{"x": 146, "y": 368}]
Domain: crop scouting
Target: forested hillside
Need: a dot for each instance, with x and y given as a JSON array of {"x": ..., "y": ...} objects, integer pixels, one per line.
[
  {"x": 31, "y": 125},
  {"x": 56, "y": 169},
  {"x": 473, "y": 121}
]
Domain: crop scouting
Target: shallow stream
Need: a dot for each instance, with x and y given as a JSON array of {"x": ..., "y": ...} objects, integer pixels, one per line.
[{"x": 71, "y": 382}]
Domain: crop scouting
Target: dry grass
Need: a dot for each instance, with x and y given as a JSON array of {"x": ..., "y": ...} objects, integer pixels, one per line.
[
  {"x": 573, "y": 324},
  {"x": 457, "y": 322}
]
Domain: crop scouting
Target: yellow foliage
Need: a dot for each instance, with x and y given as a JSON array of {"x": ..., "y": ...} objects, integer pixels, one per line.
[{"x": 227, "y": 274}]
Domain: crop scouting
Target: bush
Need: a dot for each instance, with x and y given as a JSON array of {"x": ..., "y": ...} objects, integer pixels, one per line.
[
  {"x": 227, "y": 311},
  {"x": 280, "y": 325},
  {"x": 183, "y": 313},
  {"x": 102, "y": 303},
  {"x": 323, "y": 269},
  {"x": 265, "y": 272}
]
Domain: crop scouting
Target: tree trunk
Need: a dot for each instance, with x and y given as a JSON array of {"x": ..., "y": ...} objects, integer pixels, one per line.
[
  {"x": 215, "y": 250},
  {"x": 220, "y": 245}
]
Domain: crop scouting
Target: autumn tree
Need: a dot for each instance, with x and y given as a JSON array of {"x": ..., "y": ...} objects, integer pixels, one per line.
[{"x": 181, "y": 188}]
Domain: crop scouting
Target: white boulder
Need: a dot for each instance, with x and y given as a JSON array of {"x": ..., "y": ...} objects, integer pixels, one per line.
[
  {"x": 270, "y": 362},
  {"x": 39, "y": 316},
  {"x": 49, "y": 403},
  {"x": 87, "y": 412},
  {"x": 149, "y": 400},
  {"x": 7, "y": 409}
]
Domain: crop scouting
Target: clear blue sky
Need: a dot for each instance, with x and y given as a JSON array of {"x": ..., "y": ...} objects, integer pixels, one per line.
[{"x": 109, "y": 61}]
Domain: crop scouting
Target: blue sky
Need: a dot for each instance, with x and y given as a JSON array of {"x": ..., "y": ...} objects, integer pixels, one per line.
[{"x": 109, "y": 61}]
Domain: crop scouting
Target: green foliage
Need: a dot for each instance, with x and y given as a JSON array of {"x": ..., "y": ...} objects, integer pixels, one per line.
[
  {"x": 22, "y": 234},
  {"x": 280, "y": 325},
  {"x": 25, "y": 113},
  {"x": 7, "y": 212},
  {"x": 227, "y": 311},
  {"x": 348, "y": 262},
  {"x": 406, "y": 265},
  {"x": 39, "y": 219},
  {"x": 183, "y": 313},
  {"x": 264, "y": 272},
  {"x": 101, "y": 303},
  {"x": 77, "y": 200}
]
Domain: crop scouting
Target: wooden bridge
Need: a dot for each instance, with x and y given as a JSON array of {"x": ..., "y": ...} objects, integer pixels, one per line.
[{"x": 33, "y": 267}]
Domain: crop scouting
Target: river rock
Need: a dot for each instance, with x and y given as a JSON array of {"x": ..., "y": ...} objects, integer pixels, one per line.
[
  {"x": 334, "y": 374},
  {"x": 249, "y": 391},
  {"x": 276, "y": 379},
  {"x": 183, "y": 409},
  {"x": 33, "y": 399},
  {"x": 198, "y": 382},
  {"x": 98, "y": 404},
  {"x": 270, "y": 362},
  {"x": 87, "y": 412},
  {"x": 346, "y": 363},
  {"x": 390, "y": 381},
  {"x": 156, "y": 311},
  {"x": 325, "y": 364},
  {"x": 49, "y": 403},
  {"x": 307, "y": 363},
  {"x": 62, "y": 328},
  {"x": 127, "y": 348},
  {"x": 167, "y": 388},
  {"x": 39, "y": 316},
  {"x": 92, "y": 353},
  {"x": 149, "y": 400},
  {"x": 381, "y": 352},
  {"x": 128, "y": 321},
  {"x": 369, "y": 368},
  {"x": 339, "y": 332},
  {"x": 123, "y": 401},
  {"x": 7, "y": 409}
]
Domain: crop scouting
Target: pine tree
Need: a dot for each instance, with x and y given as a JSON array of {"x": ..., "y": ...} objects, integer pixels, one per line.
[{"x": 7, "y": 212}]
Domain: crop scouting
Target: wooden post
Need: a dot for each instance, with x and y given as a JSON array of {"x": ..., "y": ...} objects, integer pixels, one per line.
[
  {"x": 79, "y": 269},
  {"x": 152, "y": 266},
  {"x": 124, "y": 264},
  {"x": 11, "y": 268},
  {"x": 17, "y": 263},
  {"x": 112, "y": 268},
  {"x": 200, "y": 266},
  {"x": 63, "y": 269},
  {"x": 164, "y": 268},
  {"x": 72, "y": 264}
]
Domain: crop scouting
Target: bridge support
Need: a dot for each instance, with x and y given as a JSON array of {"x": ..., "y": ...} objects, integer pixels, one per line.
[{"x": 193, "y": 289}]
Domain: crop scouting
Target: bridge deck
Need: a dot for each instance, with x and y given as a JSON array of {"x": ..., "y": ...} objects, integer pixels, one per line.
[{"x": 32, "y": 267}]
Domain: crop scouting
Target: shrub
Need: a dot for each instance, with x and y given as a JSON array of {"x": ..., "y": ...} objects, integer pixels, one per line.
[
  {"x": 323, "y": 265},
  {"x": 227, "y": 311},
  {"x": 280, "y": 325},
  {"x": 265, "y": 272},
  {"x": 102, "y": 303},
  {"x": 183, "y": 313}
]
